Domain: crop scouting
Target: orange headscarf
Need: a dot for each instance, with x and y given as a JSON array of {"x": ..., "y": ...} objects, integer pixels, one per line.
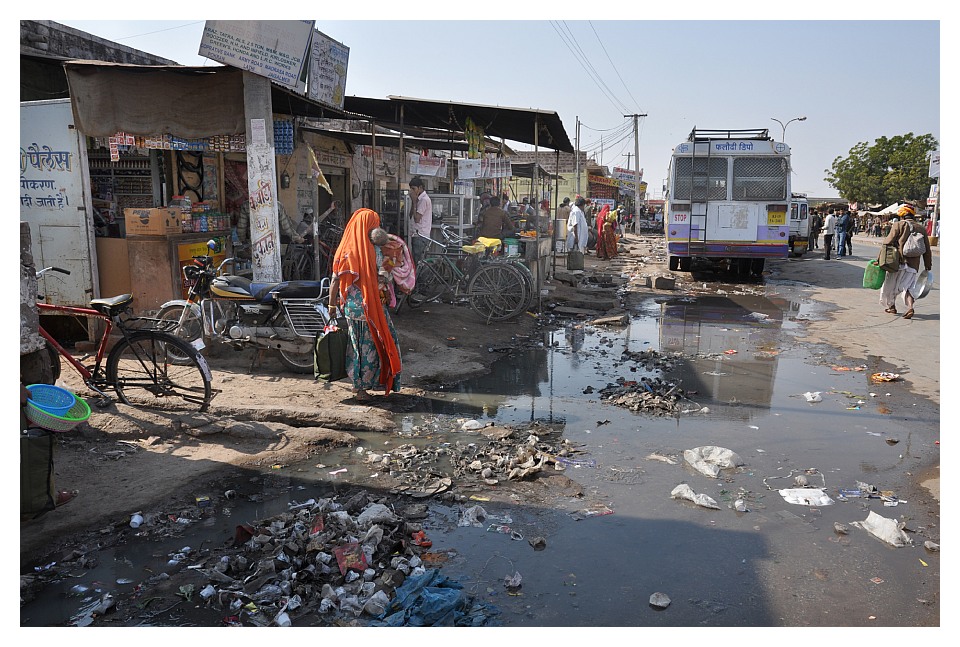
[
  {"x": 602, "y": 218},
  {"x": 355, "y": 261}
]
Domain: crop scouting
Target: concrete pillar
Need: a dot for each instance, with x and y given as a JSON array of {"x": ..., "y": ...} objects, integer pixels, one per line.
[{"x": 262, "y": 178}]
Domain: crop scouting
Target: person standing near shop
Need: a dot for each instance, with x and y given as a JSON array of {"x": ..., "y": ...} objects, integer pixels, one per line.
[
  {"x": 829, "y": 229},
  {"x": 421, "y": 220},
  {"x": 373, "y": 359},
  {"x": 494, "y": 222},
  {"x": 577, "y": 227}
]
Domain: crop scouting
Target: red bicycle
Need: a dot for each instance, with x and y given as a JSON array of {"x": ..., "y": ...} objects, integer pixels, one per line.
[{"x": 140, "y": 366}]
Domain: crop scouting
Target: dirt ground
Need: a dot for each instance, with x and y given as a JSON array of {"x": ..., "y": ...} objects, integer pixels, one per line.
[{"x": 120, "y": 461}]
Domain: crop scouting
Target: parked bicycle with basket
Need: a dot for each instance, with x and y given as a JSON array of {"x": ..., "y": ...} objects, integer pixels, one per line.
[{"x": 497, "y": 288}]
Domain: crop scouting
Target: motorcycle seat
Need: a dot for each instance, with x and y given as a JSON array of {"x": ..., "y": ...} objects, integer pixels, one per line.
[{"x": 267, "y": 292}]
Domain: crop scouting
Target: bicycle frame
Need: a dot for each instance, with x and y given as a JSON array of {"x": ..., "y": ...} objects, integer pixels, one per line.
[{"x": 90, "y": 313}]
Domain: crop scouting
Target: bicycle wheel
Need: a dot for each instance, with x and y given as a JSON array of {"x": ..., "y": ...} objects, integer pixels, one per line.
[
  {"x": 528, "y": 280},
  {"x": 53, "y": 360},
  {"x": 141, "y": 369},
  {"x": 434, "y": 278},
  {"x": 497, "y": 292},
  {"x": 190, "y": 330}
]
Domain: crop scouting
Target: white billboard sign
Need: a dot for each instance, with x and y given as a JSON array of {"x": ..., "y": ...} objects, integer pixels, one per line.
[
  {"x": 275, "y": 49},
  {"x": 328, "y": 70}
]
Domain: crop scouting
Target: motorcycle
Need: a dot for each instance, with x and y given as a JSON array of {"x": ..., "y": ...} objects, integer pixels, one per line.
[{"x": 233, "y": 310}]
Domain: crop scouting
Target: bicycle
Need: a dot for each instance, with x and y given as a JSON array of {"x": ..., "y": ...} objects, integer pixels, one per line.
[
  {"x": 140, "y": 367},
  {"x": 496, "y": 289}
]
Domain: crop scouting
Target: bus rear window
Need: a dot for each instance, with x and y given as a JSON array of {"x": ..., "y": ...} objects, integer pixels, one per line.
[
  {"x": 759, "y": 178},
  {"x": 700, "y": 185}
]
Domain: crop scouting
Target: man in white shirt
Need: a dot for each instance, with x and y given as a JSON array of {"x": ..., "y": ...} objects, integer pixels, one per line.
[
  {"x": 421, "y": 218},
  {"x": 577, "y": 234},
  {"x": 829, "y": 229}
]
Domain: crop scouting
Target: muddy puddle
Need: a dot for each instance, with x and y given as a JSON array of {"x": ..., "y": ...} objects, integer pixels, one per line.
[{"x": 592, "y": 555}]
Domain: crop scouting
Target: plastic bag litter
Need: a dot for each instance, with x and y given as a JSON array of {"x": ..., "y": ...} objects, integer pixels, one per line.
[
  {"x": 813, "y": 396},
  {"x": 683, "y": 491},
  {"x": 884, "y": 529},
  {"x": 806, "y": 496},
  {"x": 471, "y": 425},
  {"x": 709, "y": 459},
  {"x": 377, "y": 603},
  {"x": 376, "y": 513},
  {"x": 474, "y": 516}
]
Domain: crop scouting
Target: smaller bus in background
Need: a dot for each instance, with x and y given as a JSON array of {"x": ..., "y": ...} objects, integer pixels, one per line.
[{"x": 799, "y": 224}]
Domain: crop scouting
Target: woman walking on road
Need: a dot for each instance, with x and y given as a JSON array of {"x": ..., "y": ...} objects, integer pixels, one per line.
[
  {"x": 374, "y": 360},
  {"x": 606, "y": 236},
  {"x": 903, "y": 281}
]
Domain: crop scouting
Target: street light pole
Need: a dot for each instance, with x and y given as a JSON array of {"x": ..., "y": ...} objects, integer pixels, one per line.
[{"x": 783, "y": 135}]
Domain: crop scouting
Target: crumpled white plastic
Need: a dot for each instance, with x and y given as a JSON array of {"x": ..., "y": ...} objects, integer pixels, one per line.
[
  {"x": 709, "y": 459},
  {"x": 683, "y": 491},
  {"x": 806, "y": 496},
  {"x": 813, "y": 396},
  {"x": 884, "y": 529}
]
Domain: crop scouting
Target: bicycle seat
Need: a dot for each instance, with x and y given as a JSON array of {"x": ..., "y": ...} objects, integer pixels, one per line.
[
  {"x": 111, "y": 306},
  {"x": 489, "y": 242}
]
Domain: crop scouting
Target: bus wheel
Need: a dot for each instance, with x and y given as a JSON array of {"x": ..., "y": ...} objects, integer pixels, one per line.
[
  {"x": 756, "y": 266},
  {"x": 674, "y": 263}
]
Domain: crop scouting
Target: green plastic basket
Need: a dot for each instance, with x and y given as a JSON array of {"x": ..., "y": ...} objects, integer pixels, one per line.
[{"x": 78, "y": 413}]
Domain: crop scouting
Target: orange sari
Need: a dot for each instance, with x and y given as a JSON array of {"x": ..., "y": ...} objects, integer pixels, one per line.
[{"x": 355, "y": 262}]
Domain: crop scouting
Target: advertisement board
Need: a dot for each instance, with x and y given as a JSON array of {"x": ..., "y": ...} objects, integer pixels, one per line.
[
  {"x": 275, "y": 49},
  {"x": 328, "y": 70}
]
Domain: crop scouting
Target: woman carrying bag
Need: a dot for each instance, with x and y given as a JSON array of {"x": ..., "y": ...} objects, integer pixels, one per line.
[{"x": 374, "y": 360}]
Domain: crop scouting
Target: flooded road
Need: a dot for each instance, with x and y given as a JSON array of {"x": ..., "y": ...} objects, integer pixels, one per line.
[{"x": 786, "y": 409}]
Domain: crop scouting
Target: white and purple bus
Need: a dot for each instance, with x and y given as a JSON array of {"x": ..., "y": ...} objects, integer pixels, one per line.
[{"x": 728, "y": 195}]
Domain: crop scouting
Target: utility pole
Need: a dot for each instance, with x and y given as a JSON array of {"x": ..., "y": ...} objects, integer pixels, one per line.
[
  {"x": 636, "y": 152},
  {"x": 576, "y": 154},
  {"x": 628, "y": 156}
]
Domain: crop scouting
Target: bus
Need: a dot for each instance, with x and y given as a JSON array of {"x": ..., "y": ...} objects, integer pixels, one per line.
[
  {"x": 728, "y": 194},
  {"x": 799, "y": 224}
]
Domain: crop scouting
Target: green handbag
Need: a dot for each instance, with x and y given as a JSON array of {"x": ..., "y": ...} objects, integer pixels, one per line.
[{"x": 873, "y": 276}]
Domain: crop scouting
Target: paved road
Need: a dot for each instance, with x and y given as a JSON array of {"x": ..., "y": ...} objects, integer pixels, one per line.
[{"x": 860, "y": 327}]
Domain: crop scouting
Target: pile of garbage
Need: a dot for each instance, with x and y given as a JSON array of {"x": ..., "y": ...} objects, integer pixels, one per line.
[
  {"x": 348, "y": 560},
  {"x": 491, "y": 456},
  {"x": 650, "y": 395}
]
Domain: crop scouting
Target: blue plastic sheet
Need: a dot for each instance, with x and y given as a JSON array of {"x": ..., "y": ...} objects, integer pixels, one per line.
[{"x": 433, "y": 600}]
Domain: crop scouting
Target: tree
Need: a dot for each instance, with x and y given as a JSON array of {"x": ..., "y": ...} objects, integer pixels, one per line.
[{"x": 891, "y": 170}]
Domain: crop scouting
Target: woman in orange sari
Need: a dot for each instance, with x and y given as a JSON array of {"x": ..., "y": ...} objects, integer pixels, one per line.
[
  {"x": 374, "y": 360},
  {"x": 606, "y": 235}
]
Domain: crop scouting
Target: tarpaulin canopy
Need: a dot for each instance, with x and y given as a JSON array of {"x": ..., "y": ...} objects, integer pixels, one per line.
[
  {"x": 189, "y": 102},
  {"x": 390, "y": 140},
  {"x": 526, "y": 125}
]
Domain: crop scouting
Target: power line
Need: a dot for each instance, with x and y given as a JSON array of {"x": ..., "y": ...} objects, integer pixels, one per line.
[
  {"x": 189, "y": 24},
  {"x": 613, "y": 65},
  {"x": 592, "y": 73}
]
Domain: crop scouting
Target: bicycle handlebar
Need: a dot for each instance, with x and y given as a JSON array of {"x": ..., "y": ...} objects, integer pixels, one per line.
[{"x": 52, "y": 269}]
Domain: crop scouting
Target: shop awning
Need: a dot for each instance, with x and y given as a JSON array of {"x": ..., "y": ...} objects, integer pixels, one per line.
[
  {"x": 189, "y": 102},
  {"x": 388, "y": 140},
  {"x": 515, "y": 124}
]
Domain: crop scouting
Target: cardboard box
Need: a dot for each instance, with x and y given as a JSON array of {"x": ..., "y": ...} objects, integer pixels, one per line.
[{"x": 161, "y": 221}]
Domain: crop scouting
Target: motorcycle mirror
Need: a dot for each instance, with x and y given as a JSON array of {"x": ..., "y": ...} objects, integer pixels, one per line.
[{"x": 214, "y": 246}]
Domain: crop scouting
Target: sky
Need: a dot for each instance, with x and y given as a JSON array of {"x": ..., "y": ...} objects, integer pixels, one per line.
[{"x": 854, "y": 79}]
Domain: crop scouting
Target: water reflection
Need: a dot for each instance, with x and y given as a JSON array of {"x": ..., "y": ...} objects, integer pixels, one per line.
[{"x": 725, "y": 350}]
